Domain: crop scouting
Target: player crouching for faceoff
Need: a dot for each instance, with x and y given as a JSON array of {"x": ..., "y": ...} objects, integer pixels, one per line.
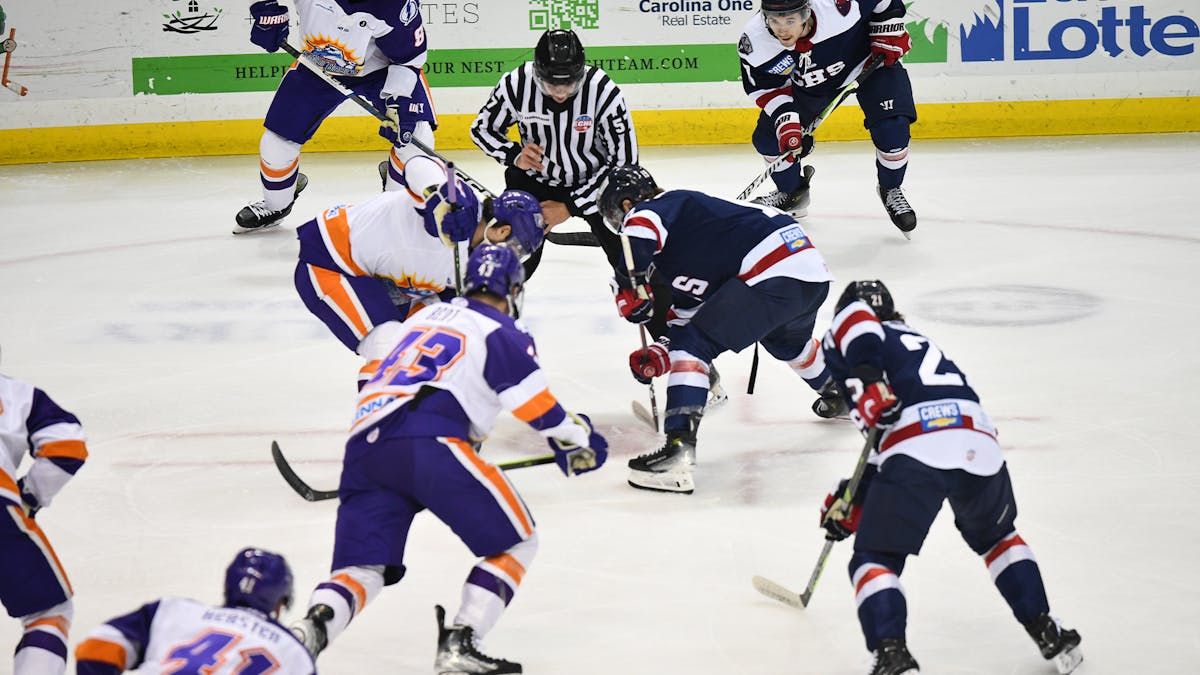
[
  {"x": 364, "y": 265},
  {"x": 740, "y": 274},
  {"x": 179, "y": 635},
  {"x": 33, "y": 585},
  {"x": 936, "y": 443},
  {"x": 451, "y": 369}
]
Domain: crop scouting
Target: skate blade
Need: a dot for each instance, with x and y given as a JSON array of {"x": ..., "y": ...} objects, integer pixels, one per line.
[
  {"x": 716, "y": 400},
  {"x": 1068, "y": 660},
  {"x": 238, "y": 229},
  {"x": 666, "y": 481}
]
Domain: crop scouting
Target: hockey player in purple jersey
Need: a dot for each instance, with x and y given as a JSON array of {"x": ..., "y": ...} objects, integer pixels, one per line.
[
  {"x": 796, "y": 55},
  {"x": 741, "y": 273},
  {"x": 177, "y": 635},
  {"x": 936, "y": 443},
  {"x": 33, "y": 584},
  {"x": 376, "y": 48},
  {"x": 453, "y": 367}
]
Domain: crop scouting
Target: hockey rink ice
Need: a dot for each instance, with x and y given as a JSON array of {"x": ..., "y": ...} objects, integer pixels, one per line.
[{"x": 1061, "y": 275}]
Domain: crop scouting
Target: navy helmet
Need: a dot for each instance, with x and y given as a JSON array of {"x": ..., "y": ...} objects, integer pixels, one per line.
[
  {"x": 496, "y": 269},
  {"x": 787, "y": 7},
  {"x": 259, "y": 580},
  {"x": 629, "y": 181},
  {"x": 522, "y": 212},
  {"x": 872, "y": 292}
]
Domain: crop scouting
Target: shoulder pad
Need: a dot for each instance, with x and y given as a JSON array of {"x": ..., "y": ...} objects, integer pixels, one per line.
[{"x": 757, "y": 46}]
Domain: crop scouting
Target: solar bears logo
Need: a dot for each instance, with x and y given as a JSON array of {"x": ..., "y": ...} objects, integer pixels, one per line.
[
  {"x": 193, "y": 21},
  {"x": 1040, "y": 30}
]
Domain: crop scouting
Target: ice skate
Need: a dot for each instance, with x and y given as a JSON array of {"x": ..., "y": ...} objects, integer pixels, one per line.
[
  {"x": 717, "y": 396},
  {"x": 310, "y": 630},
  {"x": 892, "y": 658},
  {"x": 383, "y": 174},
  {"x": 898, "y": 209},
  {"x": 1057, "y": 644},
  {"x": 831, "y": 404},
  {"x": 457, "y": 654},
  {"x": 795, "y": 202},
  {"x": 668, "y": 469},
  {"x": 257, "y": 216}
]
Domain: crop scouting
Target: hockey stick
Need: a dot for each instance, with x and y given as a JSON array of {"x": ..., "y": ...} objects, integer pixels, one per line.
[
  {"x": 641, "y": 328},
  {"x": 452, "y": 194},
  {"x": 309, "y": 494},
  {"x": 871, "y": 66},
  {"x": 363, "y": 103},
  {"x": 18, "y": 89},
  {"x": 777, "y": 591},
  {"x": 572, "y": 238}
]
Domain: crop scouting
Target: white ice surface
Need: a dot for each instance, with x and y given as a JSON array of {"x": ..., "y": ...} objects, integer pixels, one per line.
[{"x": 185, "y": 351}]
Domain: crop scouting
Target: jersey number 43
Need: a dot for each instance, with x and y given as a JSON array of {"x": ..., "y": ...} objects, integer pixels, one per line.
[{"x": 422, "y": 356}]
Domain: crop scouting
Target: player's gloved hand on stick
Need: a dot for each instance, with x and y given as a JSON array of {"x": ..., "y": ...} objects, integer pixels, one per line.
[
  {"x": 452, "y": 220},
  {"x": 839, "y": 517},
  {"x": 270, "y": 24},
  {"x": 575, "y": 459},
  {"x": 399, "y": 126},
  {"x": 889, "y": 39},
  {"x": 878, "y": 405},
  {"x": 650, "y": 361},
  {"x": 28, "y": 501},
  {"x": 790, "y": 133},
  {"x": 635, "y": 298}
]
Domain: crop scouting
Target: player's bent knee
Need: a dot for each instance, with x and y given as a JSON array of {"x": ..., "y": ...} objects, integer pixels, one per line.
[
  {"x": 276, "y": 150},
  {"x": 62, "y": 612},
  {"x": 891, "y": 132},
  {"x": 892, "y": 561},
  {"x": 525, "y": 551}
]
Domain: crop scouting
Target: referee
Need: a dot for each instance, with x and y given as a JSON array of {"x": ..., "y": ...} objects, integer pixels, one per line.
[{"x": 574, "y": 125}]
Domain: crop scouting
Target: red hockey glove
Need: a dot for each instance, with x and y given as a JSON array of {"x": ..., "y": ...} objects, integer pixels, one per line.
[
  {"x": 649, "y": 362},
  {"x": 790, "y": 133},
  {"x": 890, "y": 40},
  {"x": 878, "y": 406},
  {"x": 839, "y": 518},
  {"x": 635, "y": 298}
]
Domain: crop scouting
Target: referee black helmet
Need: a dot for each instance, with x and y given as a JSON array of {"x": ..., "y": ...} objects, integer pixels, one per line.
[{"x": 558, "y": 57}]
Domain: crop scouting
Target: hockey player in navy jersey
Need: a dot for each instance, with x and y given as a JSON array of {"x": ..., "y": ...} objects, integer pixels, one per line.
[
  {"x": 178, "y": 635},
  {"x": 453, "y": 367},
  {"x": 796, "y": 55},
  {"x": 376, "y": 48},
  {"x": 740, "y": 273},
  {"x": 936, "y": 443}
]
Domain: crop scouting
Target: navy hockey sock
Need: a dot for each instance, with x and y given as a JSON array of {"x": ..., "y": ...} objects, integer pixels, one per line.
[
  {"x": 882, "y": 609},
  {"x": 1017, "y": 576},
  {"x": 891, "y": 137}
]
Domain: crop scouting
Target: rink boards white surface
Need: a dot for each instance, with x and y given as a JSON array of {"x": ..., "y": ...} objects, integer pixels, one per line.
[{"x": 185, "y": 351}]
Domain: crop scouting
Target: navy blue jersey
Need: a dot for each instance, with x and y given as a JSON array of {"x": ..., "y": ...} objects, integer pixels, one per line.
[{"x": 699, "y": 242}]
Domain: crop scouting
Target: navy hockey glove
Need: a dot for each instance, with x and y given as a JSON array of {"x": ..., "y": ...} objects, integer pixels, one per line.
[
  {"x": 635, "y": 298},
  {"x": 449, "y": 219},
  {"x": 28, "y": 501},
  {"x": 649, "y": 362},
  {"x": 889, "y": 39},
  {"x": 574, "y": 459},
  {"x": 270, "y": 24},
  {"x": 399, "y": 126}
]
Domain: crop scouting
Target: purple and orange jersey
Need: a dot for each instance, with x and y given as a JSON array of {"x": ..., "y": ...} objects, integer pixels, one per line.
[{"x": 30, "y": 421}]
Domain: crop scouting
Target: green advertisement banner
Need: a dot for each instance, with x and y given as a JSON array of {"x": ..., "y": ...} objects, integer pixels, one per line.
[{"x": 224, "y": 73}]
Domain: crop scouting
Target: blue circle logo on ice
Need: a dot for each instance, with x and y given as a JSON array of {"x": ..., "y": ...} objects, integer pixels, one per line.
[{"x": 1006, "y": 305}]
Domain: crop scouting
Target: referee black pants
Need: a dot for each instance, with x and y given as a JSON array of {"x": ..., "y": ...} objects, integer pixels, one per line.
[{"x": 516, "y": 179}]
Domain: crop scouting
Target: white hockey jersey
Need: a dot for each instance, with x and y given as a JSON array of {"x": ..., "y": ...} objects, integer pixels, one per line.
[
  {"x": 178, "y": 635},
  {"x": 31, "y": 422},
  {"x": 359, "y": 38}
]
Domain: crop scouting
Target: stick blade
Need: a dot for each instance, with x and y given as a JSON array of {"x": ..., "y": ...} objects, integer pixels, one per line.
[
  {"x": 294, "y": 481},
  {"x": 778, "y": 593},
  {"x": 640, "y": 412}
]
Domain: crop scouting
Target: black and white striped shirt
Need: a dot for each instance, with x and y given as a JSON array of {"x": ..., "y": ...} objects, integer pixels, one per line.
[{"x": 580, "y": 138}]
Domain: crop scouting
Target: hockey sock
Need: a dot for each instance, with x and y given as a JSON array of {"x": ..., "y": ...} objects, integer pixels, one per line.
[
  {"x": 492, "y": 584},
  {"x": 347, "y": 592},
  {"x": 891, "y": 137},
  {"x": 810, "y": 365},
  {"x": 399, "y": 157},
  {"x": 1016, "y": 574},
  {"x": 43, "y": 647},
  {"x": 882, "y": 609},
  {"x": 788, "y": 178},
  {"x": 279, "y": 163},
  {"x": 687, "y": 390}
]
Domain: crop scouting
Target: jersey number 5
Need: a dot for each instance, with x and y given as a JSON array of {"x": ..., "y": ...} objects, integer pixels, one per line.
[
  {"x": 930, "y": 363},
  {"x": 422, "y": 356},
  {"x": 207, "y": 653}
]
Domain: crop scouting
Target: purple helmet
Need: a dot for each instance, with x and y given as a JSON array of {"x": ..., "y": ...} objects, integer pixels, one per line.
[
  {"x": 495, "y": 269},
  {"x": 523, "y": 213},
  {"x": 259, "y": 580}
]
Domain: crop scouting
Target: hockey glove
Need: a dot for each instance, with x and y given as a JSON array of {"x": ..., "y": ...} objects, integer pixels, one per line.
[
  {"x": 574, "y": 459},
  {"x": 399, "y": 126},
  {"x": 790, "y": 133},
  {"x": 270, "y": 24},
  {"x": 635, "y": 298},
  {"x": 889, "y": 39},
  {"x": 649, "y": 362},
  {"x": 839, "y": 515},
  {"x": 28, "y": 501},
  {"x": 878, "y": 405},
  {"x": 451, "y": 221}
]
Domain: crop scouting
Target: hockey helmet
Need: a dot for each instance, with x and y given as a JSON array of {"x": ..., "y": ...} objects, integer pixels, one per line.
[
  {"x": 872, "y": 292},
  {"x": 259, "y": 580},
  {"x": 558, "y": 58},
  {"x": 496, "y": 269},
  {"x": 630, "y": 181},
  {"x": 522, "y": 212},
  {"x": 787, "y": 7}
]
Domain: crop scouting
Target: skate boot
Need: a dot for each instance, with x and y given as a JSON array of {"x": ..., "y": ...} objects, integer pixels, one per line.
[
  {"x": 668, "y": 469},
  {"x": 383, "y": 173},
  {"x": 716, "y": 393},
  {"x": 457, "y": 654},
  {"x": 898, "y": 209},
  {"x": 1059, "y": 645},
  {"x": 310, "y": 630},
  {"x": 795, "y": 202},
  {"x": 892, "y": 658},
  {"x": 257, "y": 216},
  {"x": 831, "y": 404}
]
